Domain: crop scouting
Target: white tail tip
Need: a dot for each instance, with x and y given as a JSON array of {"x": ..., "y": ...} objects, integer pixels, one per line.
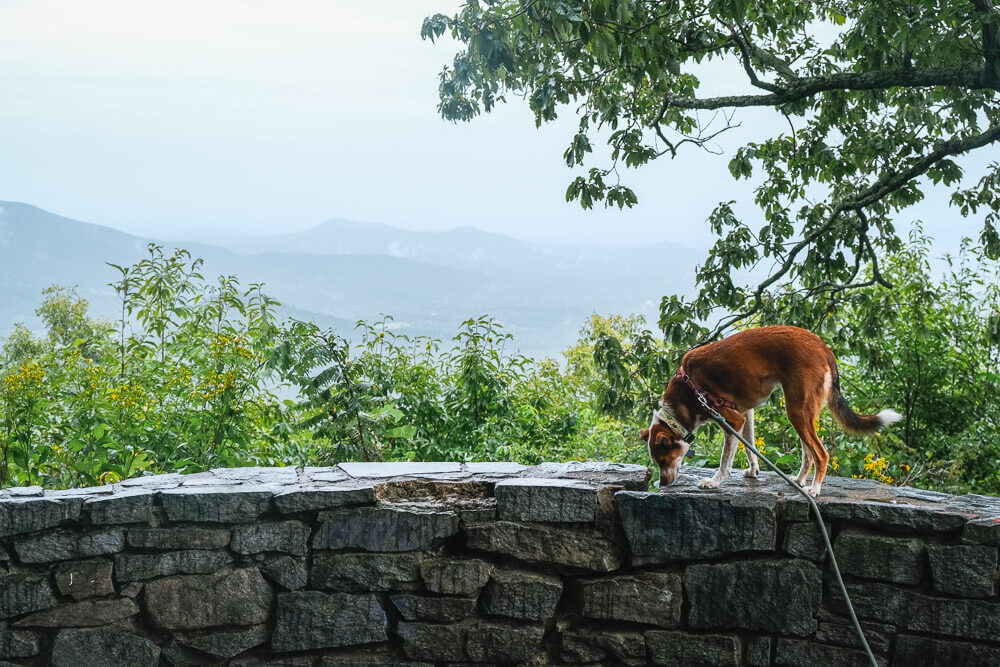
[{"x": 887, "y": 417}]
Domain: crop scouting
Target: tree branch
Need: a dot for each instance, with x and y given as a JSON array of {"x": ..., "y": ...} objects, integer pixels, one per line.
[
  {"x": 966, "y": 76},
  {"x": 886, "y": 184}
]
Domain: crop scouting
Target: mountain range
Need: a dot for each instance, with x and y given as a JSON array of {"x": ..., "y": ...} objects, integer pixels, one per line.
[{"x": 340, "y": 271}]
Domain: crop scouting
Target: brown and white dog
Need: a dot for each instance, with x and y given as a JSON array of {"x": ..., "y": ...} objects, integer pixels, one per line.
[{"x": 736, "y": 375}]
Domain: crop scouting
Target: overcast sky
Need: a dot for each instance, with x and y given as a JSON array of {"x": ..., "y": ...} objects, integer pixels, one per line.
[{"x": 163, "y": 118}]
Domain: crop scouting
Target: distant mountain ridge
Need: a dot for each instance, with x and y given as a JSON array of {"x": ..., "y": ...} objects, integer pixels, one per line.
[{"x": 341, "y": 271}]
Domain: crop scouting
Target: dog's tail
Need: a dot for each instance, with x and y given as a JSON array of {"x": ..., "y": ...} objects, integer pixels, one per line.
[{"x": 850, "y": 420}]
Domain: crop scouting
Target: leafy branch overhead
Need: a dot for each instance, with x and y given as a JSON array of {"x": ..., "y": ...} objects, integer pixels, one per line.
[{"x": 872, "y": 102}]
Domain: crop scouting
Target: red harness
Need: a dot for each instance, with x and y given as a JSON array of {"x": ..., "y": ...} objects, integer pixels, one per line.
[{"x": 716, "y": 401}]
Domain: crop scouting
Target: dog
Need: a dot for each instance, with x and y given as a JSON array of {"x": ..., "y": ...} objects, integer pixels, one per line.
[{"x": 738, "y": 373}]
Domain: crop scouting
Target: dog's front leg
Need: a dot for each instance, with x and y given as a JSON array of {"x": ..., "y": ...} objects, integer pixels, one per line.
[
  {"x": 754, "y": 467},
  {"x": 725, "y": 464}
]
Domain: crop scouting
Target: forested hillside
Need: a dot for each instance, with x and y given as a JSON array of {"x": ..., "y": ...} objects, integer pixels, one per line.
[{"x": 339, "y": 272}]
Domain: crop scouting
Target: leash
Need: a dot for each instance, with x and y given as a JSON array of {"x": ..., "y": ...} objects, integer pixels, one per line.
[{"x": 819, "y": 520}]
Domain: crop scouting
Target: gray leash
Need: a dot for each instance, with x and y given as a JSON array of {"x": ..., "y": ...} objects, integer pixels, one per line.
[{"x": 819, "y": 519}]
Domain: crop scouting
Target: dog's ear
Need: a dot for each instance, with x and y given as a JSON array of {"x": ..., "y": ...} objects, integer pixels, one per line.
[
  {"x": 664, "y": 439},
  {"x": 644, "y": 434}
]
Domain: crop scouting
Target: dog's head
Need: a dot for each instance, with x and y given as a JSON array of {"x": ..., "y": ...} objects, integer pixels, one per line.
[{"x": 667, "y": 448}]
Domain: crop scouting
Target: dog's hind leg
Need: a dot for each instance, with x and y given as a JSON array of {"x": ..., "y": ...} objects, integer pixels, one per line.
[
  {"x": 812, "y": 447},
  {"x": 807, "y": 463},
  {"x": 753, "y": 467}
]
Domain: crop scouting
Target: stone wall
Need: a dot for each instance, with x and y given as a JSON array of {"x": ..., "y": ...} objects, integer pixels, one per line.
[{"x": 449, "y": 564}]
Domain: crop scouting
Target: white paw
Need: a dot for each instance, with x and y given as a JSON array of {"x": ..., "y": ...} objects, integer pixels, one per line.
[
  {"x": 750, "y": 472},
  {"x": 801, "y": 481},
  {"x": 813, "y": 490},
  {"x": 710, "y": 483}
]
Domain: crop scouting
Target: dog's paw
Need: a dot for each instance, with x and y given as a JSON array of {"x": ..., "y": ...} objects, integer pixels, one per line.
[
  {"x": 813, "y": 490},
  {"x": 709, "y": 483},
  {"x": 801, "y": 481},
  {"x": 750, "y": 472}
]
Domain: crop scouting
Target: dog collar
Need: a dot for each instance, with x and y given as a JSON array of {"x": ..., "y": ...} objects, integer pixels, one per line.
[{"x": 664, "y": 416}]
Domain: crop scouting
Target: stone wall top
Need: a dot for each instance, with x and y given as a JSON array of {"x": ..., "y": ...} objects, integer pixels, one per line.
[{"x": 243, "y": 494}]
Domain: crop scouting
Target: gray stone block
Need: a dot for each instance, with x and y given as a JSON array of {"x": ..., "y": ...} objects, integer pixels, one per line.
[
  {"x": 103, "y": 648},
  {"x": 899, "y": 560},
  {"x": 668, "y": 527},
  {"x": 965, "y": 570},
  {"x": 366, "y": 571},
  {"x": 840, "y": 631},
  {"x": 215, "y": 504},
  {"x": 591, "y": 645},
  {"x": 653, "y": 598},
  {"x": 968, "y": 619},
  {"x": 130, "y": 507},
  {"x": 763, "y": 595},
  {"x": 803, "y": 540},
  {"x": 47, "y": 548},
  {"x": 683, "y": 649},
  {"x": 86, "y": 614},
  {"x": 951, "y": 617},
  {"x": 433, "y": 641},
  {"x": 360, "y": 470},
  {"x": 914, "y": 651},
  {"x": 284, "y": 661},
  {"x": 556, "y": 500},
  {"x": 136, "y": 567},
  {"x": 759, "y": 652},
  {"x": 240, "y": 597},
  {"x": 910, "y": 518},
  {"x": 436, "y": 609},
  {"x": 477, "y": 515},
  {"x": 579, "y": 647},
  {"x": 23, "y": 593},
  {"x": 84, "y": 579},
  {"x": 631, "y": 476},
  {"x": 384, "y": 529},
  {"x": 289, "y": 537},
  {"x": 983, "y": 531},
  {"x": 503, "y": 642},
  {"x": 28, "y": 515},
  {"x": 101, "y": 542},
  {"x": 287, "y": 572},
  {"x": 369, "y": 658},
  {"x": 309, "y": 620},
  {"x": 17, "y": 643},
  {"x": 874, "y": 601},
  {"x": 465, "y": 576},
  {"x": 798, "y": 652},
  {"x": 522, "y": 594},
  {"x": 535, "y": 543},
  {"x": 323, "y": 498},
  {"x": 225, "y": 643},
  {"x": 66, "y": 545},
  {"x": 179, "y": 538}
]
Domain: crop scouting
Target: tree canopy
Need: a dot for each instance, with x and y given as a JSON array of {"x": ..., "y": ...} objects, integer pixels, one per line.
[{"x": 878, "y": 100}]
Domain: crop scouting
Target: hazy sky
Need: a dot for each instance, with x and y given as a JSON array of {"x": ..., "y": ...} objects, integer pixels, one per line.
[{"x": 166, "y": 117}]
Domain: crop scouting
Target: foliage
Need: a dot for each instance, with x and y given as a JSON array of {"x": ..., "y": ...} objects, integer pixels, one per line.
[
  {"x": 872, "y": 103},
  {"x": 179, "y": 384},
  {"x": 198, "y": 374},
  {"x": 936, "y": 361}
]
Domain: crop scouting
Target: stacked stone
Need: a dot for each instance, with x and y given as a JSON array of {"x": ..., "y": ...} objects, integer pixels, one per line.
[{"x": 470, "y": 564}]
